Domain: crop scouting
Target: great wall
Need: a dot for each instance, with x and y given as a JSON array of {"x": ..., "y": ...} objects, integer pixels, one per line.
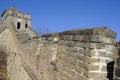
[{"x": 82, "y": 54}]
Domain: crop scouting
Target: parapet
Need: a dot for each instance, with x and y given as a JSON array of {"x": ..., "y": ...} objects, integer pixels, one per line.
[
  {"x": 95, "y": 31},
  {"x": 13, "y": 12},
  {"x": 85, "y": 35}
]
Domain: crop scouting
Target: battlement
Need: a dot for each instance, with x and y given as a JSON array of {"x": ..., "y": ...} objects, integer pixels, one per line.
[
  {"x": 86, "y": 35},
  {"x": 13, "y": 12}
]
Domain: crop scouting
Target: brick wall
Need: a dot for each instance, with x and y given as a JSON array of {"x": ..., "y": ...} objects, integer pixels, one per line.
[
  {"x": 117, "y": 64},
  {"x": 86, "y": 54}
]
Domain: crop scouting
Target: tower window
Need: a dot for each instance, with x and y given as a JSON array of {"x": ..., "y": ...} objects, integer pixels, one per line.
[
  {"x": 26, "y": 25},
  {"x": 18, "y": 25}
]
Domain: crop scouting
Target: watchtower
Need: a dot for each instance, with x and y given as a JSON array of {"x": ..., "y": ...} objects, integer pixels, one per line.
[{"x": 20, "y": 20}]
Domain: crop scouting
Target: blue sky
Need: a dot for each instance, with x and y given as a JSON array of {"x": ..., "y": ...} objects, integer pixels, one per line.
[{"x": 61, "y": 15}]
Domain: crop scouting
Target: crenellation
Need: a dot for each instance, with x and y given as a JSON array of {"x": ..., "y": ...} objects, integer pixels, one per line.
[{"x": 15, "y": 13}]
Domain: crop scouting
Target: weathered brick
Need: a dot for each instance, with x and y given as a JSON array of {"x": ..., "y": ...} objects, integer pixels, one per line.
[
  {"x": 66, "y": 37},
  {"x": 70, "y": 43},
  {"x": 80, "y": 77},
  {"x": 74, "y": 49},
  {"x": 82, "y": 51},
  {"x": 69, "y": 71},
  {"x": 59, "y": 58},
  {"x": 92, "y": 53},
  {"x": 80, "y": 57},
  {"x": 68, "y": 76},
  {"x": 104, "y": 68},
  {"x": 71, "y": 54},
  {"x": 101, "y": 53},
  {"x": 71, "y": 62},
  {"x": 61, "y": 72},
  {"x": 97, "y": 46},
  {"x": 85, "y": 73},
  {"x": 96, "y": 38},
  {"x": 58, "y": 76},
  {"x": 110, "y": 41},
  {"x": 64, "y": 60},
  {"x": 93, "y": 60},
  {"x": 79, "y": 69},
  {"x": 104, "y": 31},
  {"x": 83, "y": 38},
  {"x": 93, "y": 67},
  {"x": 97, "y": 75},
  {"x": 77, "y": 37},
  {"x": 81, "y": 44},
  {"x": 59, "y": 66},
  {"x": 82, "y": 64},
  {"x": 87, "y": 52},
  {"x": 63, "y": 78},
  {"x": 61, "y": 43},
  {"x": 110, "y": 55}
]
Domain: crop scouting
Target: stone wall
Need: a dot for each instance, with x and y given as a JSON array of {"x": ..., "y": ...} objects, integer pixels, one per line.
[
  {"x": 82, "y": 54},
  {"x": 13, "y": 65},
  {"x": 117, "y": 67},
  {"x": 86, "y": 54}
]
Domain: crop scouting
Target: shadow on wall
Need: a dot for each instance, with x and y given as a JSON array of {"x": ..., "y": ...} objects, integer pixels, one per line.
[
  {"x": 110, "y": 70},
  {"x": 3, "y": 65}
]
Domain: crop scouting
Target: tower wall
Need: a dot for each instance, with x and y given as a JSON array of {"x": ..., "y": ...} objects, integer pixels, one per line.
[
  {"x": 20, "y": 21},
  {"x": 13, "y": 16}
]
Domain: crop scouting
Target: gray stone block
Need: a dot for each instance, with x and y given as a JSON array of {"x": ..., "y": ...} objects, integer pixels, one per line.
[
  {"x": 104, "y": 31},
  {"x": 70, "y": 43}
]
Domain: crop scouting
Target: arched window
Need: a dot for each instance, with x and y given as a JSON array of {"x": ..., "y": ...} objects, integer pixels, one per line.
[
  {"x": 26, "y": 25},
  {"x": 18, "y": 25}
]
